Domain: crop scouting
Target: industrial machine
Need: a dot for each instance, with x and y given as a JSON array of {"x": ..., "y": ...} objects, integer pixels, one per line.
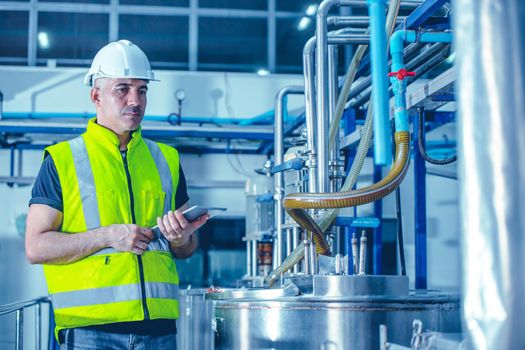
[{"x": 319, "y": 294}]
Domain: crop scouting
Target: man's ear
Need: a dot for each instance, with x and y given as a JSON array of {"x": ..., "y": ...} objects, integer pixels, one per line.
[{"x": 95, "y": 96}]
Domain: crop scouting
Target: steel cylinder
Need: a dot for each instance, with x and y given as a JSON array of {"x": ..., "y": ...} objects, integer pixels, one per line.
[{"x": 339, "y": 321}]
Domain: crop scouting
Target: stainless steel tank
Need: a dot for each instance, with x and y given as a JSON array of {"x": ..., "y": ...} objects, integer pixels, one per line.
[
  {"x": 194, "y": 326},
  {"x": 329, "y": 312}
]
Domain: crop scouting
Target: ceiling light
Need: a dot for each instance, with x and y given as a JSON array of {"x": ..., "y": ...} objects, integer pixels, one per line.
[
  {"x": 304, "y": 23},
  {"x": 43, "y": 40},
  {"x": 263, "y": 72},
  {"x": 311, "y": 10}
]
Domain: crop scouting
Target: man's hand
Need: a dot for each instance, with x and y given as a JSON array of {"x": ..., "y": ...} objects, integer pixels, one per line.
[
  {"x": 129, "y": 238},
  {"x": 177, "y": 229}
]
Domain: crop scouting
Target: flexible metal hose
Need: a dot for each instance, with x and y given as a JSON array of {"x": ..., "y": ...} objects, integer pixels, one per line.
[
  {"x": 296, "y": 203},
  {"x": 360, "y": 196}
]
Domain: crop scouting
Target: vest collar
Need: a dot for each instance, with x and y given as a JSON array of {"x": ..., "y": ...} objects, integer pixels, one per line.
[{"x": 108, "y": 138}]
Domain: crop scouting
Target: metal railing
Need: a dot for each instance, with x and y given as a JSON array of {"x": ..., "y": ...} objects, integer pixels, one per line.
[{"x": 18, "y": 308}]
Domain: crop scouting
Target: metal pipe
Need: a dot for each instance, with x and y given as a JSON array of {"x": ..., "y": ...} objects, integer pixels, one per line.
[
  {"x": 333, "y": 86},
  {"x": 313, "y": 258},
  {"x": 311, "y": 103},
  {"x": 20, "y": 162},
  {"x": 307, "y": 268},
  {"x": 295, "y": 240},
  {"x": 355, "y": 254},
  {"x": 12, "y": 160},
  {"x": 38, "y": 329},
  {"x": 19, "y": 341},
  {"x": 254, "y": 257},
  {"x": 347, "y": 39},
  {"x": 310, "y": 111},
  {"x": 378, "y": 44},
  {"x": 288, "y": 241},
  {"x": 322, "y": 92},
  {"x": 362, "y": 254},
  {"x": 280, "y": 107},
  {"x": 354, "y": 20},
  {"x": 249, "y": 255},
  {"x": 364, "y": 3}
]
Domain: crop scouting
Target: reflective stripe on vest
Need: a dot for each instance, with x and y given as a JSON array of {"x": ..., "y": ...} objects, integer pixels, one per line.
[
  {"x": 106, "y": 295},
  {"x": 86, "y": 184},
  {"x": 164, "y": 171}
]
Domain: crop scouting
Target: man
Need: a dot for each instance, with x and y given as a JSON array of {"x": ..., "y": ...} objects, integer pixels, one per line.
[{"x": 112, "y": 279}]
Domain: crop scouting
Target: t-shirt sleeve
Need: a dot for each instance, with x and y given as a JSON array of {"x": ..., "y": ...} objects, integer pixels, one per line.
[
  {"x": 47, "y": 189},
  {"x": 181, "y": 197}
]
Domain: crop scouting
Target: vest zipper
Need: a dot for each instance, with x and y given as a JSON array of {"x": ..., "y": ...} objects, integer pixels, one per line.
[{"x": 132, "y": 205}]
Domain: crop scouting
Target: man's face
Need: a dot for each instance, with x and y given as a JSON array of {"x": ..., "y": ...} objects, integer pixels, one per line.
[{"x": 121, "y": 103}]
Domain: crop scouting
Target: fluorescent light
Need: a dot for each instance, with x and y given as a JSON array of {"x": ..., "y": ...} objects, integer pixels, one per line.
[
  {"x": 43, "y": 40},
  {"x": 311, "y": 10},
  {"x": 304, "y": 23},
  {"x": 262, "y": 72}
]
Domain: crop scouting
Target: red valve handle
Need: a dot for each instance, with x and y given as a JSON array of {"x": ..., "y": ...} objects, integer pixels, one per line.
[{"x": 402, "y": 74}]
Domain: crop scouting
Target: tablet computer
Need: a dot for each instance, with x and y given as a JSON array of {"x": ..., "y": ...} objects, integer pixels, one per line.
[{"x": 195, "y": 212}]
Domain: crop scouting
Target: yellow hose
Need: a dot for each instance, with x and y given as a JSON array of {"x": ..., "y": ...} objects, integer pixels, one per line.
[
  {"x": 297, "y": 203},
  {"x": 361, "y": 196}
]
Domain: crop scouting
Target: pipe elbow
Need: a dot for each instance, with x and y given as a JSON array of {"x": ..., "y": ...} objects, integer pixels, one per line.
[{"x": 397, "y": 41}]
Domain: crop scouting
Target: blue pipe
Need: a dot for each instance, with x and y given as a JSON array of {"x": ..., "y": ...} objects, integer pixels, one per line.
[
  {"x": 377, "y": 250},
  {"x": 382, "y": 134},
  {"x": 264, "y": 119},
  {"x": 397, "y": 42},
  {"x": 420, "y": 214}
]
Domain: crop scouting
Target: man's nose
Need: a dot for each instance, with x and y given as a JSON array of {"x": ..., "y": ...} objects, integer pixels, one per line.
[{"x": 134, "y": 98}]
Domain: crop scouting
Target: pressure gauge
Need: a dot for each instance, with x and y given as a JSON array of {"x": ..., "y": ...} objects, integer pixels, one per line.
[{"x": 180, "y": 94}]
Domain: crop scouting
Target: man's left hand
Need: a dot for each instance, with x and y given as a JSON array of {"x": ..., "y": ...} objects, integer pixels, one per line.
[{"x": 177, "y": 229}]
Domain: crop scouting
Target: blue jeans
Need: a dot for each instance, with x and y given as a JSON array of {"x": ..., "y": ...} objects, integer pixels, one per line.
[{"x": 89, "y": 339}]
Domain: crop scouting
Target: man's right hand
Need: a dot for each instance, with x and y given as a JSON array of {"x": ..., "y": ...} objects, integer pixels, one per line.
[{"x": 129, "y": 238}]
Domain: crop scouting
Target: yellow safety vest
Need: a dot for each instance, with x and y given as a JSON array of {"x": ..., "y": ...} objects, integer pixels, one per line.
[{"x": 111, "y": 286}]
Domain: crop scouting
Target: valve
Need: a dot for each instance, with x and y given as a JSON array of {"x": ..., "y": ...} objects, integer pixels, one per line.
[{"x": 402, "y": 74}]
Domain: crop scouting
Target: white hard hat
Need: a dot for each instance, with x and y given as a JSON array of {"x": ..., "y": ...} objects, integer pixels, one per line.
[{"x": 120, "y": 59}]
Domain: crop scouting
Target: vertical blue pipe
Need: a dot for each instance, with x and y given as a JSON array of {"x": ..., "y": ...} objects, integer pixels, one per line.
[
  {"x": 378, "y": 46},
  {"x": 420, "y": 212},
  {"x": 397, "y": 42},
  {"x": 377, "y": 252}
]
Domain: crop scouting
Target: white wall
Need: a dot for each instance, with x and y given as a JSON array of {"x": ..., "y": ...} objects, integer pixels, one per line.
[{"x": 208, "y": 94}]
